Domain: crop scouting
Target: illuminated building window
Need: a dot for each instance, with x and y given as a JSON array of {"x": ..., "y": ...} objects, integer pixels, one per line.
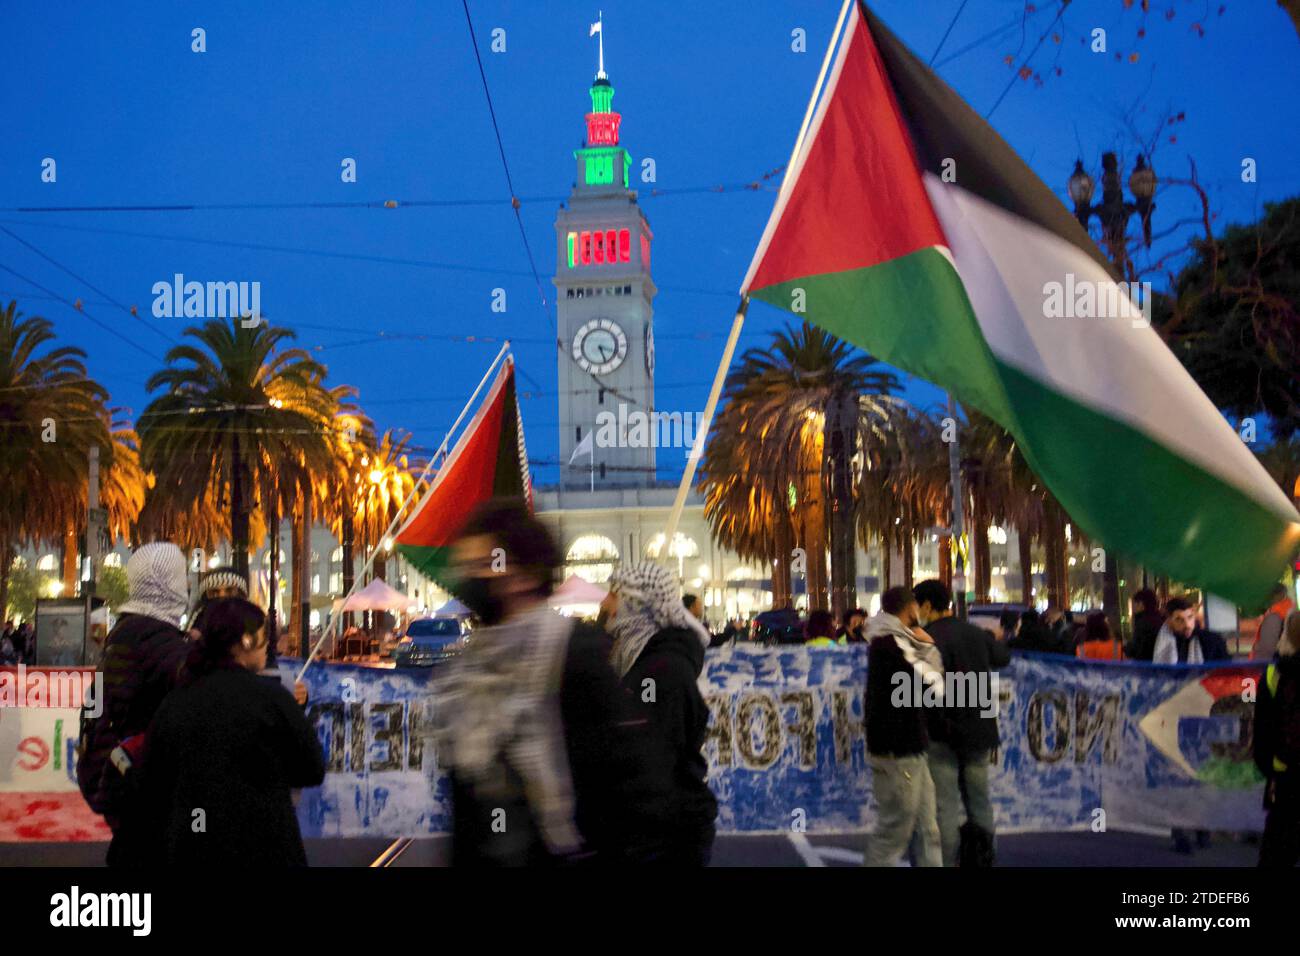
[
  {"x": 46, "y": 563},
  {"x": 113, "y": 560},
  {"x": 592, "y": 558}
]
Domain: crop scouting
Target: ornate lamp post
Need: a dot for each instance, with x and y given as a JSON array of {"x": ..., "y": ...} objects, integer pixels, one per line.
[{"x": 1114, "y": 213}]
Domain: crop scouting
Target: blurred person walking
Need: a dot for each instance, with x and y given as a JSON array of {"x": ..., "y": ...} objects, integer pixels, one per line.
[
  {"x": 233, "y": 745},
  {"x": 658, "y": 655},
  {"x": 141, "y": 663},
  {"x": 963, "y": 733},
  {"x": 899, "y": 660},
  {"x": 531, "y": 724},
  {"x": 1276, "y": 749}
]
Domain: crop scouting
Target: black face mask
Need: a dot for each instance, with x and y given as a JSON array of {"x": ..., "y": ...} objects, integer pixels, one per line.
[{"x": 480, "y": 596}]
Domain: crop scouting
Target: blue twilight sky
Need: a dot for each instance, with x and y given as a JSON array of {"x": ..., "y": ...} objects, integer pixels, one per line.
[{"x": 712, "y": 91}]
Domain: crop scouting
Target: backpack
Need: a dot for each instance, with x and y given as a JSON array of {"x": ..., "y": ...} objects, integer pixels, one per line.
[{"x": 108, "y": 771}]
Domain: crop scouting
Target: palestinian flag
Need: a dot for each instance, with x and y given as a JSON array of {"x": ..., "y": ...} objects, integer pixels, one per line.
[
  {"x": 910, "y": 228},
  {"x": 488, "y": 461}
]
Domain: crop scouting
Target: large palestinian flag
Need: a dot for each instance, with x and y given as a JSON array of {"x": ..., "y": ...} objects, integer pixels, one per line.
[
  {"x": 950, "y": 280},
  {"x": 488, "y": 461}
]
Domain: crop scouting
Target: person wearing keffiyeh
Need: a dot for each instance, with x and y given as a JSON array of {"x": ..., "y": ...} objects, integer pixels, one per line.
[
  {"x": 529, "y": 721},
  {"x": 659, "y": 654}
]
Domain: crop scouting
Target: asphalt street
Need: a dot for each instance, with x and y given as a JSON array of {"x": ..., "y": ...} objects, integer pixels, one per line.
[{"x": 1084, "y": 849}]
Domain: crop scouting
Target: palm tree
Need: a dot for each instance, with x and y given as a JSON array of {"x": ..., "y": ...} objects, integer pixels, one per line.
[
  {"x": 904, "y": 488},
  {"x": 778, "y": 471},
  {"x": 51, "y": 414},
  {"x": 232, "y": 408},
  {"x": 383, "y": 492}
]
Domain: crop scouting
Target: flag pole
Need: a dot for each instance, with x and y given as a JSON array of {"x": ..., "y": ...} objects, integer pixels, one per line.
[
  {"x": 505, "y": 348},
  {"x": 701, "y": 433}
]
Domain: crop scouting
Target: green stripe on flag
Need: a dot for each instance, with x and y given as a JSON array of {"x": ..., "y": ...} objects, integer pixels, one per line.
[
  {"x": 913, "y": 313},
  {"x": 433, "y": 562}
]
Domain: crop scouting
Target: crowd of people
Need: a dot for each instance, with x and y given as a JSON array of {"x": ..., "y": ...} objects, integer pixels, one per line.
[{"x": 572, "y": 742}]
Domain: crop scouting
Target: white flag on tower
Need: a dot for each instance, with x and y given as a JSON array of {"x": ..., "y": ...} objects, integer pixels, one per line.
[
  {"x": 584, "y": 447},
  {"x": 595, "y": 28}
]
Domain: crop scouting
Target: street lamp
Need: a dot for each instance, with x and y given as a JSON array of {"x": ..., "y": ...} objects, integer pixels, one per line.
[
  {"x": 1113, "y": 211},
  {"x": 1114, "y": 214}
]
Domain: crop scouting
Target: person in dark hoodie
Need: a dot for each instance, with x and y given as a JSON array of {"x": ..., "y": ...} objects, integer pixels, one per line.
[
  {"x": 659, "y": 654},
  {"x": 1147, "y": 621},
  {"x": 545, "y": 761},
  {"x": 963, "y": 732},
  {"x": 234, "y": 745},
  {"x": 141, "y": 663},
  {"x": 1277, "y": 749}
]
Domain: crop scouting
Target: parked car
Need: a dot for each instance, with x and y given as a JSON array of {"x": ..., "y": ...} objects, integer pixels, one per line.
[
  {"x": 430, "y": 641},
  {"x": 778, "y": 626}
]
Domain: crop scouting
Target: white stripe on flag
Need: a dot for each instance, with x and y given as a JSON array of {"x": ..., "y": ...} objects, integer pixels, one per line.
[{"x": 1106, "y": 364}]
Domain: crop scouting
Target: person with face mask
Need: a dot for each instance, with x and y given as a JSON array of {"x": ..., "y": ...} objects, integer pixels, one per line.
[
  {"x": 530, "y": 723},
  {"x": 659, "y": 654},
  {"x": 234, "y": 745}
]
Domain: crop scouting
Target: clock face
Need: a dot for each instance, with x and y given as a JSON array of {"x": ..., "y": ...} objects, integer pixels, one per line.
[
  {"x": 649, "y": 350},
  {"x": 600, "y": 346}
]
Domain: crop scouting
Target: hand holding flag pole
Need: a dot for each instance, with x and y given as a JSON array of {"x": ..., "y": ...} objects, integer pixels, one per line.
[{"x": 737, "y": 323}]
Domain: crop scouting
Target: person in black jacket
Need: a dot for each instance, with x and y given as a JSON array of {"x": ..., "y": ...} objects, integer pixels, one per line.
[
  {"x": 141, "y": 663},
  {"x": 964, "y": 732},
  {"x": 1147, "y": 621},
  {"x": 530, "y": 723},
  {"x": 1276, "y": 749},
  {"x": 224, "y": 752},
  {"x": 659, "y": 654},
  {"x": 904, "y": 675}
]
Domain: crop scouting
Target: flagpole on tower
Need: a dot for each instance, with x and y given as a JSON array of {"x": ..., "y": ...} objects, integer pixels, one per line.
[
  {"x": 599, "y": 27},
  {"x": 701, "y": 433}
]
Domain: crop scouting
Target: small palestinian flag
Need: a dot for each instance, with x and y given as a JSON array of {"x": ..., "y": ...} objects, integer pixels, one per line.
[
  {"x": 908, "y": 227},
  {"x": 488, "y": 461}
]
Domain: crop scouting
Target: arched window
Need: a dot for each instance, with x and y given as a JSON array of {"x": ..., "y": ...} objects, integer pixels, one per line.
[
  {"x": 683, "y": 547},
  {"x": 592, "y": 558},
  {"x": 46, "y": 563}
]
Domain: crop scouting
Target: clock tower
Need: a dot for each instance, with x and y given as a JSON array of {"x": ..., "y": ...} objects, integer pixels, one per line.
[{"x": 605, "y": 317}]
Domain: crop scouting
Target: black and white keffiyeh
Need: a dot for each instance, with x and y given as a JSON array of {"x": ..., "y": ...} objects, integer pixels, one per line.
[
  {"x": 648, "y": 602},
  {"x": 498, "y": 706},
  {"x": 157, "y": 585}
]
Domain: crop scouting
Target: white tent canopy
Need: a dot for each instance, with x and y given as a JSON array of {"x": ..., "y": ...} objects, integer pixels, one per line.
[
  {"x": 452, "y": 608},
  {"x": 378, "y": 596},
  {"x": 577, "y": 591}
]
